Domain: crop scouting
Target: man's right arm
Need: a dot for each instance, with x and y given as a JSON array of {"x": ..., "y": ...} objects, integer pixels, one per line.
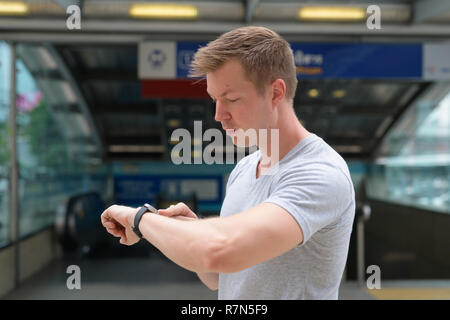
[{"x": 210, "y": 279}]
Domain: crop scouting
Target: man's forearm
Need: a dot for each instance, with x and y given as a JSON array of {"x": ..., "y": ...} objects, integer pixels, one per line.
[{"x": 190, "y": 244}]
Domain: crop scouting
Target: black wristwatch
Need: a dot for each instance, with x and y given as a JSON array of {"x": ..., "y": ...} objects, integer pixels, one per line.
[{"x": 137, "y": 218}]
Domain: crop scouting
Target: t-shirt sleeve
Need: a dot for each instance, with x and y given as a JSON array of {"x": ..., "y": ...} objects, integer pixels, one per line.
[{"x": 314, "y": 196}]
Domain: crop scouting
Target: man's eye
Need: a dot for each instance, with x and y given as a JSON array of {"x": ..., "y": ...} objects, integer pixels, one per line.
[{"x": 233, "y": 100}]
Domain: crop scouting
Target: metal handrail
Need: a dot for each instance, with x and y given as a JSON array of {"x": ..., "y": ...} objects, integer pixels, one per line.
[{"x": 363, "y": 213}]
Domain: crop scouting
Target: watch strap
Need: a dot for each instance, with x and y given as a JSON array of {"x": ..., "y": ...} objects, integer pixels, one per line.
[{"x": 137, "y": 218}]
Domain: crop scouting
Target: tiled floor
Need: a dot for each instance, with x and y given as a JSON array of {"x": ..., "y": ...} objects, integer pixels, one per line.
[
  {"x": 155, "y": 277},
  {"x": 152, "y": 277}
]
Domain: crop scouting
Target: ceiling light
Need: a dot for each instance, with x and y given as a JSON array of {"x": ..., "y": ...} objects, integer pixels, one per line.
[
  {"x": 173, "y": 123},
  {"x": 331, "y": 13},
  {"x": 13, "y": 8},
  {"x": 163, "y": 11},
  {"x": 313, "y": 93},
  {"x": 339, "y": 93},
  {"x": 136, "y": 148}
]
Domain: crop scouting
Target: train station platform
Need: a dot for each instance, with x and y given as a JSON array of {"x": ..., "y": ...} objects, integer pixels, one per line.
[
  {"x": 157, "y": 278},
  {"x": 131, "y": 278}
]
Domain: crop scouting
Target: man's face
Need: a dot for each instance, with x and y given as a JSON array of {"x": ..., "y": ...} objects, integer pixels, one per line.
[{"x": 238, "y": 104}]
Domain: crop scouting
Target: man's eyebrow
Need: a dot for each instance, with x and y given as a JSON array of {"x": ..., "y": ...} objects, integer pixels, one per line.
[{"x": 223, "y": 94}]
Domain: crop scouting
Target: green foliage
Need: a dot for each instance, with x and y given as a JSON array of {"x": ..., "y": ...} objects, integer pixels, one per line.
[
  {"x": 44, "y": 137},
  {"x": 4, "y": 144}
]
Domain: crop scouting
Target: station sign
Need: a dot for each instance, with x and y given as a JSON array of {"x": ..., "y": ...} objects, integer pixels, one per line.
[
  {"x": 165, "y": 59},
  {"x": 171, "y": 60},
  {"x": 362, "y": 61},
  {"x": 436, "y": 61}
]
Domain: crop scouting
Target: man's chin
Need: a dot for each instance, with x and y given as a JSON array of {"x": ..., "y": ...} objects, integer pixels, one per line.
[
  {"x": 241, "y": 143},
  {"x": 230, "y": 132}
]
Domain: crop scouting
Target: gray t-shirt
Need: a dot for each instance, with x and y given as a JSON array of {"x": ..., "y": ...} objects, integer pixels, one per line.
[{"x": 313, "y": 184}]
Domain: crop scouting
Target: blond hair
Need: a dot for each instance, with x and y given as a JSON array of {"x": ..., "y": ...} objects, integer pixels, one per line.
[{"x": 264, "y": 55}]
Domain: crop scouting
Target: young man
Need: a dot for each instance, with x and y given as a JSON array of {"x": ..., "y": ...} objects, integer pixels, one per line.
[{"x": 283, "y": 235}]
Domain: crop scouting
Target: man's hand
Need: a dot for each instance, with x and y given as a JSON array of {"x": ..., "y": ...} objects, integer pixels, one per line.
[
  {"x": 179, "y": 211},
  {"x": 118, "y": 221}
]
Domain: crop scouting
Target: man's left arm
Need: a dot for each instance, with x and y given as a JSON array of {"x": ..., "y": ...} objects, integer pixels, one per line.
[{"x": 223, "y": 245}]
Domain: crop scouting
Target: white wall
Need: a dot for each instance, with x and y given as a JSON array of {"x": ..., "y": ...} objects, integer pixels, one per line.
[{"x": 35, "y": 253}]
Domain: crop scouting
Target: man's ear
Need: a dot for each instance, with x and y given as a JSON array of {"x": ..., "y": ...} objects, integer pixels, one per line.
[{"x": 278, "y": 91}]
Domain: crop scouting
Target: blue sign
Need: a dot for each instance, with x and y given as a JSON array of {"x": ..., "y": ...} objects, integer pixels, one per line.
[
  {"x": 185, "y": 55},
  {"x": 358, "y": 60},
  {"x": 135, "y": 190},
  {"x": 338, "y": 60}
]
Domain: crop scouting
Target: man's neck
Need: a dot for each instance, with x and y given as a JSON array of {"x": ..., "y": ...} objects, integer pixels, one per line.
[{"x": 290, "y": 133}]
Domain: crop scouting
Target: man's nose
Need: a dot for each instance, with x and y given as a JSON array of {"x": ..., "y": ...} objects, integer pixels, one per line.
[{"x": 221, "y": 113}]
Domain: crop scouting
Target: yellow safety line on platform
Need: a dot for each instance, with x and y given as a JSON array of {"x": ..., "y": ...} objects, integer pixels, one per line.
[{"x": 411, "y": 293}]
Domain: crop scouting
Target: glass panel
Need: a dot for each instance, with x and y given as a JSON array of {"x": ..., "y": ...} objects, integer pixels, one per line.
[
  {"x": 414, "y": 163},
  {"x": 5, "y": 78},
  {"x": 57, "y": 157}
]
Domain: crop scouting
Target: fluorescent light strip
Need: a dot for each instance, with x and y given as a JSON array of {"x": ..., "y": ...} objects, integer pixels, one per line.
[
  {"x": 136, "y": 148},
  {"x": 163, "y": 11},
  {"x": 331, "y": 13},
  {"x": 13, "y": 8}
]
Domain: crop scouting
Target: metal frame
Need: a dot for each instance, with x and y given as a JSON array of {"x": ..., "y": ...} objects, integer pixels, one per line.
[
  {"x": 14, "y": 174},
  {"x": 134, "y": 31},
  {"x": 426, "y": 10}
]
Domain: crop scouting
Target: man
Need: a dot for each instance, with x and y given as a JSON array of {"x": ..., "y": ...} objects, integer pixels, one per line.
[{"x": 282, "y": 235}]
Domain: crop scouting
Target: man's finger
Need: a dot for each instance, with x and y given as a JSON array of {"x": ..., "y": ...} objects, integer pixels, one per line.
[
  {"x": 114, "y": 232},
  {"x": 109, "y": 224},
  {"x": 104, "y": 216},
  {"x": 185, "y": 210},
  {"x": 169, "y": 212},
  {"x": 124, "y": 240},
  {"x": 180, "y": 209},
  {"x": 117, "y": 232}
]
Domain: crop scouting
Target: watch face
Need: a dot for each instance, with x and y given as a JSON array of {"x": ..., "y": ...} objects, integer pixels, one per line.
[{"x": 150, "y": 208}]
